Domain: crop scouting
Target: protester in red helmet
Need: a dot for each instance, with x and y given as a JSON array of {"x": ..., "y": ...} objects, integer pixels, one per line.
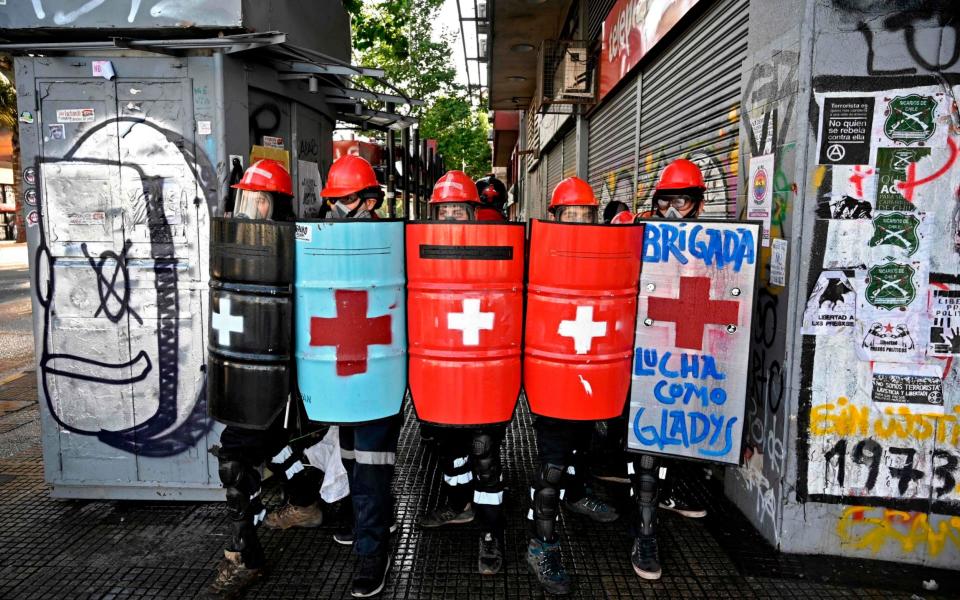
[
  {"x": 353, "y": 187},
  {"x": 679, "y": 192},
  {"x": 454, "y": 198},
  {"x": 678, "y": 195},
  {"x": 368, "y": 451},
  {"x": 469, "y": 458},
  {"x": 493, "y": 197},
  {"x": 265, "y": 194},
  {"x": 562, "y": 441},
  {"x": 265, "y": 189},
  {"x": 573, "y": 202}
]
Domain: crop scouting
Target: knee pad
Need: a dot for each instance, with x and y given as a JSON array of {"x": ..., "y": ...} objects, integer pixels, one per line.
[
  {"x": 548, "y": 476},
  {"x": 482, "y": 445},
  {"x": 242, "y": 484},
  {"x": 488, "y": 471},
  {"x": 648, "y": 462}
]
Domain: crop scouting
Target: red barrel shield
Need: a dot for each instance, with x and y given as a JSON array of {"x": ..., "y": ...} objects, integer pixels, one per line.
[
  {"x": 464, "y": 320},
  {"x": 581, "y": 318}
]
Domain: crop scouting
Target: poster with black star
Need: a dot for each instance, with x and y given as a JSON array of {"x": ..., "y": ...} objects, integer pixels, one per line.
[
  {"x": 846, "y": 127},
  {"x": 891, "y": 318}
]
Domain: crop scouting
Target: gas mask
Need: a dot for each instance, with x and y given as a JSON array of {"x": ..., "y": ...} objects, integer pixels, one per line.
[
  {"x": 254, "y": 205},
  {"x": 342, "y": 211},
  {"x": 678, "y": 206}
]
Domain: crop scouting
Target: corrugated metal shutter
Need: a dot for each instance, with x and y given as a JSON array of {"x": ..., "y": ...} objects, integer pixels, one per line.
[
  {"x": 554, "y": 161},
  {"x": 534, "y": 194},
  {"x": 611, "y": 163},
  {"x": 596, "y": 15},
  {"x": 690, "y": 104},
  {"x": 570, "y": 154},
  {"x": 533, "y": 135}
]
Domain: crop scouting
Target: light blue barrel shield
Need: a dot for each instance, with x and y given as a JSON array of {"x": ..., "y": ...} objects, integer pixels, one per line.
[{"x": 351, "y": 329}]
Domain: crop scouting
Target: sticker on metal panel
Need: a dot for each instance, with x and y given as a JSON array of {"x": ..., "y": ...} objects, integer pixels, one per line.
[{"x": 76, "y": 115}]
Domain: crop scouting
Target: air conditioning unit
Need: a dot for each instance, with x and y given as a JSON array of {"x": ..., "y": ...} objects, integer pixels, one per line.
[
  {"x": 576, "y": 76},
  {"x": 567, "y": 75}
]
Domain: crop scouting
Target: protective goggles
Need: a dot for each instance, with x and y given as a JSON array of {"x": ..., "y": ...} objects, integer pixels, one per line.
[{"x": 677, "y": 201}]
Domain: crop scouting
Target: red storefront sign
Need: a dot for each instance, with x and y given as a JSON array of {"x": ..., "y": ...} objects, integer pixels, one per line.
[{"x": 631, "y": 29}]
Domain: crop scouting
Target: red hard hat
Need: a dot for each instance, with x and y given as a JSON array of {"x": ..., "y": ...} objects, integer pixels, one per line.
[
  {"x": 624, "y": 217},
  {"x": 454, "y": 186},
  {"x": 681, "y": 174},
  {"x": 572, "y": 191},
  {"x": 266, "y": 175},
  {"x": 349, "y": 175}
]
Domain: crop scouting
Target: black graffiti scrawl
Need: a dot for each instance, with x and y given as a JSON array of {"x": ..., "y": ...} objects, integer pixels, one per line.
[{"x": 160, "y": 434}]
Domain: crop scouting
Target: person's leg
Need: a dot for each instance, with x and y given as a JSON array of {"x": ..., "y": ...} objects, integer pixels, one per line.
[
  {"x": 453, "y": 446},
  {"x": 240, "y": 455},
  {"x": 488, "y": 496},
  {"x": 578, "y": 496},
  {"x": 543, "y": 552},
  {"x": 375, "y": 451},
  {"x": 301, "y": 485},
  {"x": 645, "y": 555}
]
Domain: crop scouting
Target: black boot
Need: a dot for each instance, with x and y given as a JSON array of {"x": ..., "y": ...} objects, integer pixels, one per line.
[
  {"x": 645, "y": 557},
  {"x": 371, "y": 575}
]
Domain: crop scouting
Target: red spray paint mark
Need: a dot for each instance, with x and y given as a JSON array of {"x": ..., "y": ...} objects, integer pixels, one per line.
[
  {"x": 912, "y": 183},
  {"x": 857, "y": 179}
]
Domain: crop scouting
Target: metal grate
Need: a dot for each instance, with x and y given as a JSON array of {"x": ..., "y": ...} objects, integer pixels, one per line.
[{"x": 567, "y": 75}]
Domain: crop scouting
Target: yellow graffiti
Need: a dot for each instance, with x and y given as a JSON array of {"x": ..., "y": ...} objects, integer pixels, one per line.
[
  {"x": 872, "y": 528},
  {"x": 846, "y": 419},
  {"x": 818, "y": 174}
]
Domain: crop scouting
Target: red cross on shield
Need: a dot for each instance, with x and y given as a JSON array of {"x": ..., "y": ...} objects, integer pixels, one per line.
[
  {"x": 692, "y": 310},
  {"x": 351, "y": 331}
]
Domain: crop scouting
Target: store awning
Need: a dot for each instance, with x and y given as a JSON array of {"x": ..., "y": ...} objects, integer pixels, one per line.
[{"x": 323, "y": 73}]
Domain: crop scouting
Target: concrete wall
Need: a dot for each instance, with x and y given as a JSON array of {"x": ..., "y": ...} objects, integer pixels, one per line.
[{"x": 843, "y": 462}]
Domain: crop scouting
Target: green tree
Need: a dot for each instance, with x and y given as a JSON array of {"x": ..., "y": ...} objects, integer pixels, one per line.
[
  {"x": 397, "y": 36},
  {"x": 461, "y": 133}
]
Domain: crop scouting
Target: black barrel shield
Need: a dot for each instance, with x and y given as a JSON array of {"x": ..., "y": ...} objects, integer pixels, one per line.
[{"x": 250, "y": 337}]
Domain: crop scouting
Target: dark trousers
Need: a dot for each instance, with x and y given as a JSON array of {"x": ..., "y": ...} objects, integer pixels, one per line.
[
  {"x": 561, "y": 446},
  {"x": 470, "y": 460},
  {"x": 240, "y": 455},
  {"x": 369, "y": 452}
]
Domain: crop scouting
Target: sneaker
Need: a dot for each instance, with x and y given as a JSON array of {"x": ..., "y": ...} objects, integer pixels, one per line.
[
  {"x": 682, "y": 507},
  {"x": 593, "y": 507},
  {"x": 445, "y": 515},
  {"x": 289, "y": 515},
  {"x": 232, "y": 577},
  {"x": 544, "y": 560},
  {"x": 645, "y": 557},
  {"x": 614, "y": 472},
  {"x": 345, "y": 536},
  {"x": 371, "y": 575},
  {"x": 491, "y": 554}
]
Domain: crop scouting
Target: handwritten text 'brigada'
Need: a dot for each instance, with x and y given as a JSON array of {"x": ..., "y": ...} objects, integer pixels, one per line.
[{"x": 720, "y": 246}]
